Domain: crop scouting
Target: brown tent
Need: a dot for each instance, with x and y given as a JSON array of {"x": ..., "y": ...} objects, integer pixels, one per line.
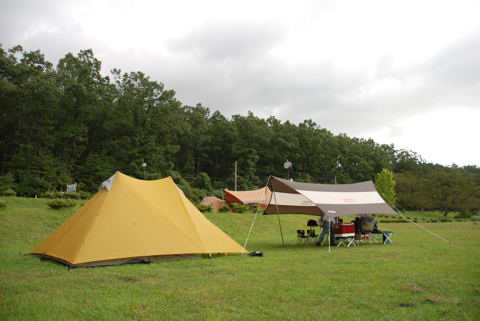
[
  {"x": 214, "y": 202},
  {"x": 259, "y": 196}
]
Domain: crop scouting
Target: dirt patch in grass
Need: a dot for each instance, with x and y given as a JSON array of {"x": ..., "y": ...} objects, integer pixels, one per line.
[
  {"x": 439, "y": 299},
  {"x": 128, "y": 279},
  {"x": 415, "y": 288}
]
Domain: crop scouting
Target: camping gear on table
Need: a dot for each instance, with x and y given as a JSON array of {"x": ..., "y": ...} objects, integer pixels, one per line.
[
  {"x": 366, "y": 224},
  {"x": 131, "y": 220}
]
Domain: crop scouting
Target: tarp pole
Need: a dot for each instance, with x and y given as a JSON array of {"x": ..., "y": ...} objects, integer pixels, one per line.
[
  {"x": 253, "y": 222},
  {"x": 278, "y": 215},
  {"x": 281, "y": 231},
  {"x": 329, "y": 231}
]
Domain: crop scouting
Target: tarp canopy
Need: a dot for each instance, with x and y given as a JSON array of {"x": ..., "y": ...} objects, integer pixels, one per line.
[
  {"x": 214, "y": 202},
  {"x": 133, "y": 220},
  {"x": 332, "y": 200},
  {"x": 259, "y": 196}
]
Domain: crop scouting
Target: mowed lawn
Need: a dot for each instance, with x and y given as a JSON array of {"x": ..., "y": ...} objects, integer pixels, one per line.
[{"x": 418, "y": 277}]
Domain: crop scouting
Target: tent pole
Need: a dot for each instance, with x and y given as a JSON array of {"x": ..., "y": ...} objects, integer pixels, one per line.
[
  {"x": 281, "y": 232},
  {"x": 278, "y": 216},
  {"x": 329, "y": 236},
  {"x": 253, "y": 222}
]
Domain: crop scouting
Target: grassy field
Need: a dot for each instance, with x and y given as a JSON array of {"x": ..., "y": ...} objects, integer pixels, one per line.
[{"x": 417, "y": 278}]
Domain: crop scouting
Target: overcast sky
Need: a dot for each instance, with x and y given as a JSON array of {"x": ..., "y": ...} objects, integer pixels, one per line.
[{"x": 402, "y": 72}]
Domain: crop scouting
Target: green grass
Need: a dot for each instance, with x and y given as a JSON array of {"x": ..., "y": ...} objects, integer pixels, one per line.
[{"x": 417, "y": 278}]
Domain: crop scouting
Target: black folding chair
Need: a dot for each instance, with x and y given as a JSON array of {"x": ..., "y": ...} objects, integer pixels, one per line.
[
  {"x": 301, "y": 237},
  {"x": 312, "y": 235}
]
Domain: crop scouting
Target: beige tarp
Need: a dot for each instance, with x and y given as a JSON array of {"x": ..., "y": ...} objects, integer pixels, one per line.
[
  {"x": 259, "y": 196},
  {"x": 332, "y": 200}
]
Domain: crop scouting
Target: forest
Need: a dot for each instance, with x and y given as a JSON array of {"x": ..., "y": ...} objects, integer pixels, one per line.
[{"x": 74, "y": 122}]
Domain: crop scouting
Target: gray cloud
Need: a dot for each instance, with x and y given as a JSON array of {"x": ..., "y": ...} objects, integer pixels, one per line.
[
  {"x": 20, "y": 20},
  {"x": 223, "y": 41}
]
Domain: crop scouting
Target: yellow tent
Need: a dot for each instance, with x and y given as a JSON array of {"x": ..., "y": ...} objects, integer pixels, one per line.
[{"x": 131, "y": 220}]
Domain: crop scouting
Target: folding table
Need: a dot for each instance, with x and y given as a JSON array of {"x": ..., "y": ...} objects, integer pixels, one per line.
[{"x": 345, "y": 234}]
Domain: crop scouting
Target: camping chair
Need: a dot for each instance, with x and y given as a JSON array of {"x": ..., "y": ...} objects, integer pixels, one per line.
[
  {"x": 311, "y": 234},
  {"x": 387, "y": 237},
  {"x": 375, "y": 232},
  {"x": 301, "y": 237}
]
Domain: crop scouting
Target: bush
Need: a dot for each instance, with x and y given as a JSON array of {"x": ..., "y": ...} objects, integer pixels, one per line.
[
  {"x": 85, "y": 195},
  {"x": 7, "y": 181},
  {"x": 202, "y": 181},
  {"x": 30, "y": 184},
  {"x": 9, "y": 192},
  {"x": 74, "y": 196},
  {"x": 240, "y": 208},
  {"x": 224, "y": 209},
  {"x": 463, "y": 215},
  {"x": 57, "y": 204},
  {"x": 395, "y": 221},
  {"x": 197, "y": 194},
  {"x": 51, "y": 194},
  {"x": 475, "y": 218},
  {"x": 204, "y": 208}
]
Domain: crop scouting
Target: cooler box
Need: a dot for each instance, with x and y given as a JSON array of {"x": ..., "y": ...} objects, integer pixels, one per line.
[{"x": 345, "y": 230}]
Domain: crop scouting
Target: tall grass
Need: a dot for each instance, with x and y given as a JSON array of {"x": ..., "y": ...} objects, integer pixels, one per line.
[{"x": 418, "y": 277}]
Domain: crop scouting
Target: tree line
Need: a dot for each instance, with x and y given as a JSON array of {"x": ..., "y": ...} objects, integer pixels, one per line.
[{"x": 72, "y": 123}]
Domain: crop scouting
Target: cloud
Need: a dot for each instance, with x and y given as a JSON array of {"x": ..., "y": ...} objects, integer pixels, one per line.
[
  {"x": 222, "y": 41},
  {"x": 453, "y": 74},
  {"x": 359, "y": 72}
]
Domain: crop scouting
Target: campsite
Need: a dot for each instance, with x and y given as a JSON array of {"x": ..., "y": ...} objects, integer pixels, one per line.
[
  {"x": 417, "y": 277},
  {"x": 235, "y": 160}
]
